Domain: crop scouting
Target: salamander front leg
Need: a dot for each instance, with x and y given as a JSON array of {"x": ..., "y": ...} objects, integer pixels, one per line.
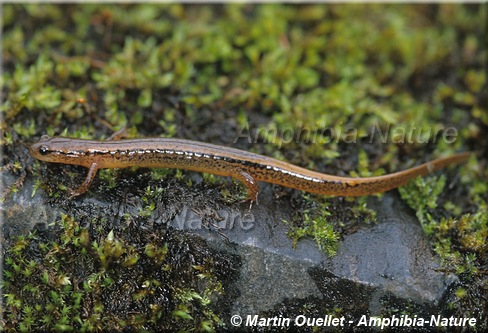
[
  {"x": 92, "y": 172},
  {"x": 251, "y": 185}
]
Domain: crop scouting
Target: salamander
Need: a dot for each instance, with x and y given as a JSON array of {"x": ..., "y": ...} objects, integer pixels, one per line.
[{"x": 247, "y": 167}]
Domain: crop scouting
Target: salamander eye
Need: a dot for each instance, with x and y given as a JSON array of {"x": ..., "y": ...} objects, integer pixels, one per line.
[{"x": 43, "y": 150}]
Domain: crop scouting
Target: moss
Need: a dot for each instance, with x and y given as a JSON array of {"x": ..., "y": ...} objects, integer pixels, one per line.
[
  {"x": 464, "y": 232},
  {"x": 75, "y": 280},
  {"x": 321, "y": 230},
  {"x": 458, "y": 239},
  {"x": 316, "y": 83},
  {"x": 421, "y": 195},
  {"x": 321, "y": 220}
]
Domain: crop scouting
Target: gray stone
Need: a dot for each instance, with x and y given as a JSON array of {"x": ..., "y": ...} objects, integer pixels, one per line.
[{"x": 388, "y": 260}]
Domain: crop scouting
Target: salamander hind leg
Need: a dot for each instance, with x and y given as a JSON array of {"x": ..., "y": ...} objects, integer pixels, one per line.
[
  {"x": 251, "y": 185},
  {"x": 92, "y": 172}
]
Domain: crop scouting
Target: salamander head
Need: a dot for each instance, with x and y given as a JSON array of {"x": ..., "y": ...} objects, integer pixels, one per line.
[{"x": 59, "y": 150}]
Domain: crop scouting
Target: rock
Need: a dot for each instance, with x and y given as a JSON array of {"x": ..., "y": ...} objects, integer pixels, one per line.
[
  {"x": 380, "y": 263},
  {"x": 380, "y": 266}
]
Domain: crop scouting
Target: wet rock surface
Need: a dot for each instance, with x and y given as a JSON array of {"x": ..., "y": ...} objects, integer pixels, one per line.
[
  {"x": 381, "y": 265},
  {"x": 384, "y": 261}
]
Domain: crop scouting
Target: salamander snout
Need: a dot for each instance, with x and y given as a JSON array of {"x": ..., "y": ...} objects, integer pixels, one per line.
[
  {"x": 41, "y": 149},
  {"x": 61, "y": 150}
]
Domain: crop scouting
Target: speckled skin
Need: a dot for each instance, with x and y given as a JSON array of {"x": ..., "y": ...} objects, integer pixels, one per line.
[{"x": 223, "y": 161}]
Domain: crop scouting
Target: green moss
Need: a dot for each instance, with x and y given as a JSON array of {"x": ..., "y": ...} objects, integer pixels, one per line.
[
  {"x": 315, "y": 81},
  {"x": 422, "y": 195},
  {"x": 49, "y": 293},
  {"x": 30, "y": 88},
  {"x": 314, "y": 223},
  {"x": 321, "y": 230},
  {"x": 459, "y": 240}
]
